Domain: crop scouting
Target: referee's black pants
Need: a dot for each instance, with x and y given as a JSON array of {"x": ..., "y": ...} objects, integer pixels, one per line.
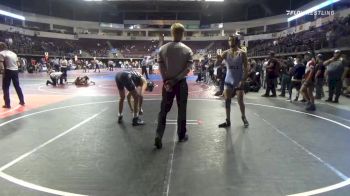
[
  {"x": 6, "y": 81},
  {"x": 180, "y": 91},
  {"x": 144, "y": 71}
]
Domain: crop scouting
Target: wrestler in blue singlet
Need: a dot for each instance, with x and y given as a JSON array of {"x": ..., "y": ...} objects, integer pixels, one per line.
[{"x": 234, "y": 73}]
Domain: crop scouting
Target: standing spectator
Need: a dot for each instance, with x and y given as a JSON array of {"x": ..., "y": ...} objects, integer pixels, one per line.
[
  {"x": 346, "y": 75},
  {"x": 175, "y": 62},
  {"x": 272, "y": 72},
  {"x": 86, "y": 66},
  {"x": 331, "y": 37},
  {"x": 211, "y": 70},
  {"x": 150, "y": 68},
  {"x": 110, "y": 65},
  {"x": 307, "y": 88},
  {"x": 9, "y": 61},
  {"x": 335, "y": 70},
  {"x": 97, "y": 65},
  {"x": 297, "y": 73},
  {"x": 319, "y": 77},
  {"x": 144, "y": 67},
  {"x": 64, "y": 66},
  {"x": 199, "y": 71},
  {"x": 56, "y": 64},
  {"x": 286, "y": 79},
  {"x": 263, "y": 77},
  {"x": 259, "y": 69},
  {"x": 70, "y": 64}
]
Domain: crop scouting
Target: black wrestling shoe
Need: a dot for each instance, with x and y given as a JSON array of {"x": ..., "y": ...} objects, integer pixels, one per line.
[
  {"x": 120, "y": 119},
  {"x": 303, "y": 100},
  {"x": 245, "y": 121},
  {"x": 137, "y": 121},
  {"x": 225, "y": 124},
  {"x": 158, "y": 142},
  {"x": 6, "y": 106},
  {"x": 273, "y": 96},
  {"x": 311, "y": 107},
  {"x": 22, "y": 103},
  {"x": 335, "y": 101},
  {"x": 265, "y": 95},
  {"x": 184, "y": 139}
]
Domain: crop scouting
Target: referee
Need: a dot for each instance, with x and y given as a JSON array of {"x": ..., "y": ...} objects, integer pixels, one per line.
[
  {"x": 9, "y": 61},
  {"x": 175, "y": 62}
]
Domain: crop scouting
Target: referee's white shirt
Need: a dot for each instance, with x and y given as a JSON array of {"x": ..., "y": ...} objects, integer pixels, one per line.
[{"x": 9, "y": 59}]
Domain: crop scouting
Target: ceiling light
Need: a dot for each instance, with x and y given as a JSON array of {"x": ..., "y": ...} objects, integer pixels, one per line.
[{"x": 9, "y": 14}]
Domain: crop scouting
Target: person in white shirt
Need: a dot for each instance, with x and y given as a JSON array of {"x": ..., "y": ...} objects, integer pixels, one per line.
[
  {"x": 97, "y": 65},
  {"x": 144, "y": 64},
  {"x": 64, "y": 67},
  {"x": 54, "y": 76},
  {"x": 264, "y": 73},
  {"x": 9, "y": 61},
  {"x": 110, "y": 65},
  {"x": 175, "y": 62},
  {"x": 86, "y": 67}
]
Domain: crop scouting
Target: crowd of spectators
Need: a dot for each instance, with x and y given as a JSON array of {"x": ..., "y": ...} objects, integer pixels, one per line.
[
  {"x": 33, "y": 45},
  {"x": 326, "y": 36}
]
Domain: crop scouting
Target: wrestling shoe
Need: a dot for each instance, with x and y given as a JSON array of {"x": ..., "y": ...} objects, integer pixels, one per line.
[
  {"x": 245, "y": 121},
  {"x": 158, "y": 142},
  {"x": 225, "y": 124},
  {"x": 136, "y": 121}
]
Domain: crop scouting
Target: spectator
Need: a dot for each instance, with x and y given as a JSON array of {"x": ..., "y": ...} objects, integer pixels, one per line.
[
  {"x": 297, "y": 73},
  {"x": 64, "y": 66},
  {"x": 286, "y": 79},
  {"x": 319, "y": 77},
  {"x": 272, "y": 72},
  {"x": 335, "y": 71}
]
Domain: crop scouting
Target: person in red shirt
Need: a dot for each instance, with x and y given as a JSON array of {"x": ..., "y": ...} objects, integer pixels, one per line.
[{"x": 272, "y": 73}]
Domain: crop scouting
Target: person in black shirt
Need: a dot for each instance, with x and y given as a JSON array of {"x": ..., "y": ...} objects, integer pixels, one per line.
[
  {"x": 335, "y": 71},
  {"x": 297, "y": 73},
  {"x": 211, "y": 70},
  {"x": 130, "y": 80},
  {"x": 319, "y": 77},
  {"x": 286, "y": 78}
]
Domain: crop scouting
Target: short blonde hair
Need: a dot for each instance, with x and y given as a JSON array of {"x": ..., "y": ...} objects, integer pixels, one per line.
[{"x": 177, "y": 28}]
